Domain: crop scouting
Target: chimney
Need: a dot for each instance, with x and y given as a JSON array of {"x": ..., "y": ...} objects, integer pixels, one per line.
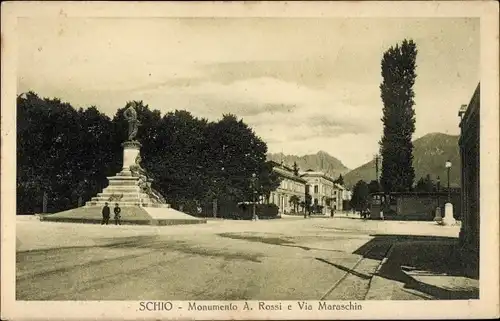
[{"x": 462, "y": 110}]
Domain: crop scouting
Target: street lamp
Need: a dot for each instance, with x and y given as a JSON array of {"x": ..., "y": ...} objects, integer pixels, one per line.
[
  {"x": 448, "y": 167},
  {"x": 438, "y": 217},
  {"x": 254, "y": 178},
  {"x": 438, "y": 187},
  {"x": 448, "y": 208}
]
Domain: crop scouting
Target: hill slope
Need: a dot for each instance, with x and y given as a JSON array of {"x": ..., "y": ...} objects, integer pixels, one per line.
[
  {"x": 321, "y": 161},
  {"x": 430, "y": 153}
]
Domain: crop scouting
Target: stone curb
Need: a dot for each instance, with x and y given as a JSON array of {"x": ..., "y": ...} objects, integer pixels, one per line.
[{"x": 380, "y": 288}]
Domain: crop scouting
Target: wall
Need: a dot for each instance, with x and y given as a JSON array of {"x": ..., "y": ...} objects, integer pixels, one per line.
[
  {"x": 424, "y": 206},
  {"x": 469, "y": 152}
]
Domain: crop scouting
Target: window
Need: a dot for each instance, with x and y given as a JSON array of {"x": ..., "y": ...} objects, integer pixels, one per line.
[{"x": 315, "y": 188}]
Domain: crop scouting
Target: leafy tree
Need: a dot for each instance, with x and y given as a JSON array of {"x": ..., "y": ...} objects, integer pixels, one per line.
[
  {"x": 340, "y": 180},
  {"x": 269, "y": 180},
  {"x": 308, "y": 202},
  {"x": 236, "y": 153},
  {"x": 425, "y": 184},
  {"x": 96, "y": 156},
  {"x": 374, "y": 186},
  {"x": 69, "y": 153},
  {"x": 175, "y": 156},
  {"x": 420, "y": 186},
  {"x": 360, "y": 193},
  {"x": 294, "y": 200},
  {"x": 60, "y": 151},
  {"x": 302, "y": 205},
  {"x": 398, "y": 72}
]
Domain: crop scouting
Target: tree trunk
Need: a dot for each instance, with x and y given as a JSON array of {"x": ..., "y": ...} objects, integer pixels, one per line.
[{"x": 214, "y": 208}]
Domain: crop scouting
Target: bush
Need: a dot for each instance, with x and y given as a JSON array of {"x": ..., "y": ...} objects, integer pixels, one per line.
[
  {"x": 267, "y": 210},
  {"x": 263, "y": 211}
]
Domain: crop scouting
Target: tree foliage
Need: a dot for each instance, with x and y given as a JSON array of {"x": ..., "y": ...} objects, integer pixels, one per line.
[
  {"x": 425, "y": 184},
  {"x": 374, "y": 187},
  {"x": 60, "y": 151},
  {"x": 295, "y": 200},
  {"x": 340, "y": 180},
  {"x": 398, "y": 72},
  {"x": 68, "y": 153},
  {"x": 360, "y": 194}
]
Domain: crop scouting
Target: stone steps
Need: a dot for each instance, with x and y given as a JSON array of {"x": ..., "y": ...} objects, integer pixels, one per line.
[
  {"x": 101, "y": 203},
  {"x": 123, "y": 176},
  {"x": 124, "y": 198},
  {"x": 123, "y": 195},
  {"x": 118, "y": 183}
]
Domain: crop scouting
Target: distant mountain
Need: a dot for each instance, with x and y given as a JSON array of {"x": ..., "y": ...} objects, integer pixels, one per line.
[
  {"x": 430, "y": 153},
  {"x": 321, "y": 161}
]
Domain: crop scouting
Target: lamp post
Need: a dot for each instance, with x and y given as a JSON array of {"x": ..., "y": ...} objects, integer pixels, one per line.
[
  {"x": 254, "y": 178},
  {"x": 448, "y": 167},
  {"x": 448, "y": 207},
  {"x": 438, "y": 187},
  {"x": 438, "y": 217}
]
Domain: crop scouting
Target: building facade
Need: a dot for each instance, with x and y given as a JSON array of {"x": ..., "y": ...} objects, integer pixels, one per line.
[
  {"x": 290, "y": 193},
  {"x": 339, "y": 192},
  {"x": 469, "y": 154},
  {"x": 325, "y": 194}
]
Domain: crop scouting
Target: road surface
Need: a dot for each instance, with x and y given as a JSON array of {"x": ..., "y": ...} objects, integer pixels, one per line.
[{"x": 283, "y": 259}]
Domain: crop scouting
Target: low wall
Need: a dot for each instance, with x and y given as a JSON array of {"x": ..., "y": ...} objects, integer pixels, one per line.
[
  {"x": 424, "y": 206},
  {"x": 414, "y": 206}
]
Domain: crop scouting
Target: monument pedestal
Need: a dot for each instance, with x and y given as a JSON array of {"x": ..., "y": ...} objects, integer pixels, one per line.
[
  {"x": 127, "y": 189},
  {"x": 124, "y": 188}
]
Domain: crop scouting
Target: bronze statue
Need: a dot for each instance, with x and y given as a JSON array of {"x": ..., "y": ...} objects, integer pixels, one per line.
[
  {"x": 145, "y": 181},
  {"x": 130, "y": 115}
]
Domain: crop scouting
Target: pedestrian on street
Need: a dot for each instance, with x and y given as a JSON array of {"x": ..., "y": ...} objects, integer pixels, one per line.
[
  {"x": 105, "y": 214},
  {"x": 331, "y": 212},
  {"x": 117, "y": 210}
]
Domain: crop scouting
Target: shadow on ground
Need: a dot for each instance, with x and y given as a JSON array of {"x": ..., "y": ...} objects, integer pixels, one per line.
[
  {"x": 271, "y": 240},
  {"x": 429, "y": 258},
  {"x": 147, "y": 242}
]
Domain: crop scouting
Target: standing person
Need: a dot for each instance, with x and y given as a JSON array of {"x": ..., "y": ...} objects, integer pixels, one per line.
[
  {"x": 105, "y": 214},
  {"x": 117, "y": 210}
]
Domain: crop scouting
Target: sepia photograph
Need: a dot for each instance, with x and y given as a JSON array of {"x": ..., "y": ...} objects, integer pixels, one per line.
[{"x": 248, "y": 163}]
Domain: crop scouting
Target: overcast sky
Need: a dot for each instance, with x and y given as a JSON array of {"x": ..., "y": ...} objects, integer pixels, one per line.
[{"x": 304, "y": 85}]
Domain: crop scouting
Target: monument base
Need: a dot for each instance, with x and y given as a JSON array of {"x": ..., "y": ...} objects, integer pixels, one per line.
[
  {"x": 140, "y": 204},
  {"x": 131, "y": 215}
]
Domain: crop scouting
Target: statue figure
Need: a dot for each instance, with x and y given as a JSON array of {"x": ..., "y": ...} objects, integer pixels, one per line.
[
  {"x": 130, "y": 115},
  {"x": 145, "y": 181},
  {"x": 137, "y": 169}
]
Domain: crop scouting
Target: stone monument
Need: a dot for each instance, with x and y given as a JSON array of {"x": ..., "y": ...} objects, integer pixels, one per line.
[{"x": 131, "y": 189}]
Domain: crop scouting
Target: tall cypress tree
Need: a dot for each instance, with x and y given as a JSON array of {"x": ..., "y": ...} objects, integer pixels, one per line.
[{"x": 398, "y": 72}]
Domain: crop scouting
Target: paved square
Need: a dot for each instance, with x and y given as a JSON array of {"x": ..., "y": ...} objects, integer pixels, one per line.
[{"x": 284, "y": 259}]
